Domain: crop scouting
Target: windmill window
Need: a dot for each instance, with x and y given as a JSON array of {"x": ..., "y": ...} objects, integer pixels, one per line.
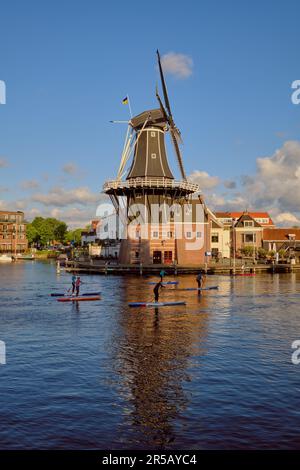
[
  {"x": 188, "y": 234},
  {"x": 154, "y": 234},
  {"x": 152, "y": 134},
  {"x": 199, "y": 235},
  {"x": 138, "y": 195},
  {"x": 153, "y": 155}
]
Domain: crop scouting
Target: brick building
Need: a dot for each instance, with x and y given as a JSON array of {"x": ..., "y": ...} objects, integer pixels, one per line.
[
  {"x": 12, "y": 232},
  {"x": 282, "y": 239}
]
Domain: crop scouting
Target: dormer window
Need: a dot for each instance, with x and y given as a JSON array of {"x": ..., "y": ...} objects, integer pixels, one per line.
[{"x": 248, "y": 223}]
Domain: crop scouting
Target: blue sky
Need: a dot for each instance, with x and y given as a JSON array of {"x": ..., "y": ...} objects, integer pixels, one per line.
[{"x": 68, "y": 64}]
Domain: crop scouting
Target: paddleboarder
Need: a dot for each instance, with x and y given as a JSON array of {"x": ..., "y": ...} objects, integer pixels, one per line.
[
  {"x": 156, "y": 290},
  {"x": 162, "y": 275},
  {"x": 77, "y": 285},
  {"x": 200, "y": 280},
  {"x": 73, "y": 284}
]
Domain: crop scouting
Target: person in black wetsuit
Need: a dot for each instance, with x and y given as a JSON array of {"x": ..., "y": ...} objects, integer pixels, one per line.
[
  {"x": 156, "y": 290},
  {"x": 200, "y": 279}
]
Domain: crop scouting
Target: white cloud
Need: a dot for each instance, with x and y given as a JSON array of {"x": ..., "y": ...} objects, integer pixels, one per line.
[
  {"x": 286, "y": 218},
  {"x": 179, "y": 65},
  {"x": 70, "y": 168},
  {"x": 230, "y": 184},
  {"x": 204, "y": 180},
  {"x": 60, "y": 197},
  {"x": 3, "y": 163},
  {"x": 30, "y": 184},
  {"x": 277, "y": 180}
]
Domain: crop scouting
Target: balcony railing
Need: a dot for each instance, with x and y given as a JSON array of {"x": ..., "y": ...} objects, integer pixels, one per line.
[{"x": 151, "y": 183}]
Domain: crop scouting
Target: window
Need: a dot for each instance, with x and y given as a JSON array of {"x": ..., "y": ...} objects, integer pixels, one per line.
[
  {"x": 199, "y": 235},
  {"x": 138, "y": 195},
  {"x": 154, "y": 234},
  {"x": 153, "y": 155},
  {"x": 248, "y": 223},
  {"x": 137, "y": 254},
  {"x": 137, "y": 234},
  {"x": 188, "y": 234},
  {"x": 215, "y": 238},
  {"x": 153, "y": 134},
  {"x": 249, "y": 238},
  {"x": 168, "y": 256},
  {"x": 169, "y": 234}
]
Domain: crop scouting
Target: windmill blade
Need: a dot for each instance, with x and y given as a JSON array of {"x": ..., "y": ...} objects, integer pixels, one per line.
[
  {"x": 178, "y": 154},
  {"x": 177, "y": 134},
  {"x": 164, "y": 87},
  {"x": 164, "y": 112}
]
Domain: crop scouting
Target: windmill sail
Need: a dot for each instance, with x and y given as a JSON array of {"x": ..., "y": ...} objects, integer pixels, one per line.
[{"x": 174, "y": 131}]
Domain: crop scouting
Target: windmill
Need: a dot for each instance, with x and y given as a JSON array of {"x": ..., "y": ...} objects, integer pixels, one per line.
[{"x": 149, "y": 182}]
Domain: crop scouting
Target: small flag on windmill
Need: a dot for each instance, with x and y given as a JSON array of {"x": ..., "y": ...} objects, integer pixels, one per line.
[{"x": 125, "y": 100}]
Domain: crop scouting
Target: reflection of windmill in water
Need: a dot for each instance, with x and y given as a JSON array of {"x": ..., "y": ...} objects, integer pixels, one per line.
[
  {"x": 150, "y": 184},
  {"x": 152, "y": 353}
]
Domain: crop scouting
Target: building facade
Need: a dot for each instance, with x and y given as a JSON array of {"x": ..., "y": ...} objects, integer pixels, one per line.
[
  {"x": 12, "y": 232},
  {"x": 282, "y": 239}
]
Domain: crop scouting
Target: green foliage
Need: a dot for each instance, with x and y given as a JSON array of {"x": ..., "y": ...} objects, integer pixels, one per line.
[
  {"x": 247, "y": 250},
  {"x": 32, "y": 234},
  {"x": 282, "y": 254},
  {"x": 45, "y": 231},
  {"x": 262, "y": 253},
  {"x": 74, "y": 236},
  {"x": 60, "y": 231}
]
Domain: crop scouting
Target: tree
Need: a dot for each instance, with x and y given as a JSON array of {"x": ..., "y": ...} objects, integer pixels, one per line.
[
  {"x": 262, "y": 253},
  {"x": 74, "y": 236},
  {"x": 32, "y": 234},
  {"x": 48, "y": 229},
  {"x": 247, "y": 250},
  {"x": 60, "y": 231},
  {"x": 282, "y": 253}
]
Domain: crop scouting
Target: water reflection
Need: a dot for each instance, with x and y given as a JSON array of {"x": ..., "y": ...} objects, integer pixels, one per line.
[{"x": 153, "y": 349}]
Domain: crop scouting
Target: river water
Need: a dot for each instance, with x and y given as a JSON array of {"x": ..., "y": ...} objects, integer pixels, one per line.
[{"x": 216, "y": 374}]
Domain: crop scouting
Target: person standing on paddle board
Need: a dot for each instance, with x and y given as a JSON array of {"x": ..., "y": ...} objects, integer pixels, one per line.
[
  {"x": 200, "y": 280},
  {"x": 77, "y": 285},
  {"x": 156, "y": 290},
  {"x": 73, "y": 283},
  {"x": 162, "y": 275}
]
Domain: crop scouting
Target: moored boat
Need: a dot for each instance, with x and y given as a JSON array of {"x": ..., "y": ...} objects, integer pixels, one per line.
[
  {"x": 28, "y": 256},
  {"x": 5, "y": 259}
]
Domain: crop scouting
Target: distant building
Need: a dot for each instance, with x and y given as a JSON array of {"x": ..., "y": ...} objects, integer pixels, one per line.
[
  {"x": 286, "y": 239},
  {"x": 262, "y": 218},
  {"x": 12, "y": 232},
  {"x": 90, "y": 236},
  {"x": 246, "y": 232},
  {"x": 220, "y": 240}
]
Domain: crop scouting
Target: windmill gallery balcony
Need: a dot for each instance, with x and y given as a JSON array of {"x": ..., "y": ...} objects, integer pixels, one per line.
[{"x": 121, "y": 187}]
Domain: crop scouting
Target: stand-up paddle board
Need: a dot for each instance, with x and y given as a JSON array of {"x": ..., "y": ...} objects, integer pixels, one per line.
[
  {"x": 78, "y": 299},
  {"x": 165, "y": 283},
  {"x": 154, "y": 304},
  {"x": 200, "y": 288},
  {"x": 54, "y": 294}
]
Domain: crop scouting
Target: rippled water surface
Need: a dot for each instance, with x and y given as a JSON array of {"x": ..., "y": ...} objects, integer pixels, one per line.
[{"x": 214, "y": 374}]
